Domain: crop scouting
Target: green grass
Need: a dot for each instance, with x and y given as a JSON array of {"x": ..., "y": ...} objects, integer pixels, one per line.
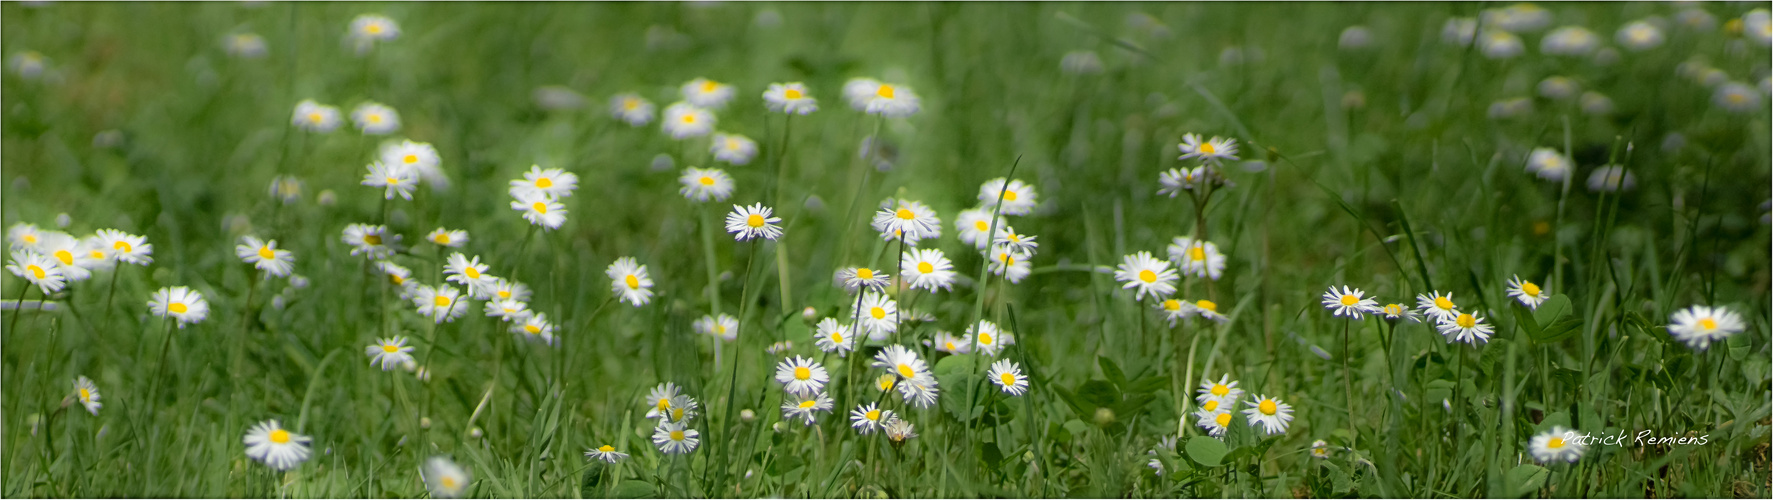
[{"x": 1375, "y": 168}]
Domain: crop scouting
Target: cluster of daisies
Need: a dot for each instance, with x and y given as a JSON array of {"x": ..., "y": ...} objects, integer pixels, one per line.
[
  {"x": 51, "y": 260},
  {"x": 1217, "y": 400},
  {"x": 673, "y": 433},
  {"x": 1191, "y": 256}
]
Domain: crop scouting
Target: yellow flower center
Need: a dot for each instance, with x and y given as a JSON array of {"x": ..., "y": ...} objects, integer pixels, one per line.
[
  {"x": 1350, "y": 300},
  {"x": 1172, "y": 305},
  {"x": 441, "y": 238},
  {"x": 925, "y": 267},
  {"x": 410, "y": 159},
  {"x": 391, "y": 180},
  {"x": 1009, "y": 379},
  {"x": 1443, "y": 304},
  {"x": 1708, "y": 324},
  {"x": 905, "y": 213},
  {"x": 1735, "y": 98},
  {"x": 982, "y": 226},
  {"x": 630, "y": 104},
  {"x": 877, "y": 313},
  {"x": 31, "y": 239},
  {"x": 544, "y": 183},
  {"x": 1394, "y": 309},
  {"x": 97, "y": 255},
  {"x": 504, "y": 294},
  {"x": 984, "y": 338},
  {"x": 1009, "y": 260},
  {"x": 606, "y": 448},
  {"x": 1009, "y": 195},
  {"x": 1267, "y": 407},
  {"x": 676, "y": 435},
  {"x": 719, "y": 328},
  {"x": 1212, "y": 405},
  {"x": 1220, "y": 390},
  {"x": 315, "y": 117},
  {"x": 677, "y": 414},
  {"x": 1208, "y": 305},
  {"x": 1207, "y": 147},
  {"x": 1223, "y": 419},
  {"x": 373, "y": 239},
  {"x": 885, "y": 91},
  {"x": 85, "y": 395},
  {"x": 375, "y": 118},
  {"x": 755, "y": 220},
  {"x": 707, "y": 181},
  {"x": 872, "y": 415},
  {"x": 1555, "y": 443},
  {"x": 1530, "y": 289},
  {"x": 664, "y": 403},
  {"x": 837, "y": 337},
  {"x": 709, "y": 85},
  {"x": 280, "y": 436},
  {"x": 791, "y": 94},
  {"x": 177, "y": 308},
  {"x": 35, "y": 270},
  {"x": 266, "y": 253},
  {"x": 802, "y": 373},
  {"x": 1465, "y": 320},
  {"x": 441, "y": 301},
  {"x": 689, "y": 118},
  {"x": 65, "y": 256},
  {"x": 949, "y": 345},
  {"x": 887, "y": 381},
  {"x": 472, "y": 273},
  {"x": 448, "y": 482},
  {"x": 633, "y": 282},
  {"x": 1197, "y": 253},
  {"x": 905, "y": 371},
  {"x": 541, "y": 208},
  {"x": 390, "y": 348},
  {"x": 532, "y": 329},
  {"x": 808, "y": 403},
  {"x": 373, "y": 29},
  {"x": 865, "y": 273},
  {"x": 1147, "y": 276}
]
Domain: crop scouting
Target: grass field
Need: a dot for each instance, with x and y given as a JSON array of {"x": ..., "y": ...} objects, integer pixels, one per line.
[{"x": 1374, "y": 149}]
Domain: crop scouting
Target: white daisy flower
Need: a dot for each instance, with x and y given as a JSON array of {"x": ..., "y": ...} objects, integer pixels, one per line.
[
  {"x": 540, "y": 209},
  {"x": 734, "y": 149},
  {"x": 125, "y": 247},
  {"x": 1207, "y": 309},
  {"x": 265, "y": 256},
  {"x": 1018, "y": 196},
  {"x": 901, "y": 361},
  {"x": 181, "y": 303},
  {"x": 1021, "y": 244},
  {"x": 892, "y": 101},
  {"x": 375, "y": 119},
  {"x": 1548, "y": 164},
  {"x": 445, "y": 479},
  {"x": 374, "y": 28},
  {"x": 1397, "y": 312},
  {"x": 507, "y": 309},
  {"x": 506, "y": 290},
  {"x": 1209, "y": 151},
  {"x": 866, "y": 419},
  {"x": 1525, "y": 291},
  {"x": 439, "y": 302},
  {"x": 790, "y": 98},
  {"x": 1349, "y": 302},
  {"x": 780, "y": 347},
  {"x": 1081, "y": 62},
  {"x": 1176, "y": 180},
  {"x": 1518, "y": 18},
  {"x": 1558, "y": 87},
  {"x": 316, "y": 117},
  {"x": 1174, "y": 309},
  {"x": 629, "y": 279},
  {"x": 1569, "y": 41},
  {"x": 535, "y": 327},
  {"x": 724, "y": 327},
  {"x": 1320, "y": 449},
  {"x": 1464, "y": 327},
  {"x": 974, "y": 225},
  {"x": 1215, "y": 423},
  {"x": 1270, "y": 412},
  {"x": 244, "y": 45},
  {"x": 605, "y": 453},
  {"x": 1639, "y": 36},
  {"x": 1556, "y": 445},
  {"x": 372, "y": 242},
  {"x": 880, "y": 315},
  {"x": 705, "y": 184},
  {"x": 674, "y": 438},
  {"x": 1459, "y": 31},
  {"x": 862, "y": 278},
  {"x": 470, "y": 273},
  {"x": 928, "y": 269},
  {"x": 414, "y": 156},
  {"x": 631, "y": 108},
  {"x": 390, "y": 353},
  {"x": 63, "y": 249},
  {"x": 1611, "y": 178},
  {"x": 1595, "y": 104},
  {"x": 859, "y": 91},
  {"x": 22, "y": 236},
  {"x": 552, "y": 182},
  {"x": 919, "y": 392},
  {"x": 1736, "y": 97},
  {"x": 88, "y": 394},
  {"x": 1146, "y": 275},
  {"x": 753, "y": 222},
  {"x": 660, "y": 398},
  {"x": 900, "y": 430},
  {"x": 911, "y": 220},
  {"x": 802, "y": 376},
  {"x": 1699, "y": 326},
  {"x": 1224, "y": 391},
  {"x": 831, "y": 335},
  {"x": 37, "y": 269},
  {"x": 805, "y": 407},
  {"x": 707, "y": 93},
  {"x": 395, "y": 179},
  {"x": 1200, "y": 258},
  {"x": 684, "y": 120},
  {"x": 1011, "y": 265},
  {"x": 989, "y": 338},
  {"x": 1497, "y": 44},
  {"x": 453, "y": 238},
  {"x": 1757, "y": 24},
  {"x": 1007, "y": 376},
  {"x": 1437, "y": 305},
  {"x": 278, "y": 449},
  {"x": 948, "y": 343}
]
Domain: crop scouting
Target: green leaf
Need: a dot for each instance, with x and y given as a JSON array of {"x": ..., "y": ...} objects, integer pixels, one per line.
[
  {"x": 1525, "y": 479},
  {"x": 636, "y": 489},
  {"x": 1206, "y": 450},
  {"x": 1112, "y": 371},
  {"x": 785, "y": 465},
  {"x": 955, "y": 364},
  {"x": 1738, "y": 346},
  {"x": 1096, "y": 394},
  {"x": 1553, "y": 308}
]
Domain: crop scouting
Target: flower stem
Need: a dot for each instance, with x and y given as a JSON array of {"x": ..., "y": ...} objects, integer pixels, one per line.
[{"x": 1348, "y": 384}]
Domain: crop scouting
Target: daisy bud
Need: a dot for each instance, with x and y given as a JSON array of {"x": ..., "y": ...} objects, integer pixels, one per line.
[
  {"x": 809, "y": 313},
  {"x": 475, "y": 432},
  {"x": 747, "y": 415},
  {"x": 425, "y": 422},
  {"x": 1104, "y": 417}
]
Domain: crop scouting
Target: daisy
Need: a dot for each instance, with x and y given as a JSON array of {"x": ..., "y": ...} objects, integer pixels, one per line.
[
  {"x": 390, "y": 353},
  {"x": 445, "y": 479},
  {"x": 928, "y": 269},
  {"x": 989, "y": 338},
  {"x": 279, "y": 449},
  {"x": 541, "y": 210},
  {"x": 413, "y": 156},
  {"x": 911, "y": 220},
  {"x": 37, "y": 269},
  {"x": 1215, "y": 423},
  {"x": 535, "y": 327},
  {"x": 724, "y": 327},
  {"x": 397, "y": 275},
  {"x": 1396, "y": 312},
  {"x": 948, "y": 343},
  {"x": 899, "y": 430},
  {"x": 780, "y": 347},
  {"x": 1436, "y": 306},
  {"x": 1175, "y": 309},
  {"x": 1011, "y": 265},
  {"x": 1611, "y": 178},
  {"x": 1699, "y": 326},
  {"x": 1225, "y": 390},
  {"x": 790, "y": 98},
  {"x": 1207, "y": 309},
  {"x": 1556, "y": 445},
  {"x": 181, "y": 303},
  {"x": 1006, "y": 375},
  {"x": 733, "y": 148},
  {"x": 1349, "y": 302},
  {"x": 707, "y": 93},
  {"x": 1528, "y": 293},
  {"x": 470, "y": 273},
  {"x": 439, "y": 302},
  {"x": 705, "y": 184},
  {"x": 453, "y": 238},
  {"x": 879, "y": 315},
  {"x": 1569, "y": 41},
  {"x": 288, "y": 189},
  {"x": 1320, "y": 449},
  {"x": 920, "y": 392},
  {"x": 25, "y": 236},
  {"x": 684, "y": 120},
  {"x": 630, "y": 279},
  {"x": 1018, "y": 197},
  {"x": 865, "y": 419},
  {"x": 1019, "y": 243},
  {"x": 605, "y": 453},
  {"x": 370, "y": 241},
  {"x": 1200, "y": 258},
  {"x": 1081, "y": 62},
  {"x": 831, "y": 335},
  {"x": 1758, "y": 25},
  {"x": 88, "y": 394},
  {"x": 660, "y": 397},
  {"x": 1500, "y": 45},
  {"x": 507, "y": 309},
  {"x": 805, "y": 407},
  {"x": 1464, "y": 327},
  {"x": 375, "y": 119},
  {"x": 858, "y": 91},
  {"x": 64, "y": 250},
  {"x": 802, "y": 376},
  {"x": 395, "y": 179},
  {"x": 265, "y": 255},
  {"x": 1558, "y": 87},
  {"x": 1459, "y": 31},
  {"x": 863, "y": 278},
  {"x": 753, "y": 222},
  {"x": 1271, "y": 413},
  {"x": 315, "y": 117},
  {"x": 1209, "y": 151},
  {"x": 1736, "y": 97},
  {"x": 631, "y": 108},
  {"x": 892, "y": 101},
  {"x": 125, "y": 247},
  {"x": 1147, "y": 275},
  {"x": 1518, "y": 18},
  {"x": 901, "y": 361},
  {"x": 974, "y": 225},
  {"x": 1176, "y": 180},
  {"x": 1639, "y": 36},
  {"x": 510, "y": 290},
  {"x": 675, "y": 438},
  {"x": 374, "y": 28},
  {"x": 1595, "y": 104},
  {"x": 29, "y": 64},
  {"x": 552, "y": 182}
]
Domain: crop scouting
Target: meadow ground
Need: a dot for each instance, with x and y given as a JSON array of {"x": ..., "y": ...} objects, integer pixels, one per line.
[{"x": 1614, "y": 157}]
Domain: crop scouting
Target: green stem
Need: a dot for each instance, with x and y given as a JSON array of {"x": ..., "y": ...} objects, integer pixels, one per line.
[
  {"x": 1348, "y": 384},
  {"x": 708, "y": 257}
]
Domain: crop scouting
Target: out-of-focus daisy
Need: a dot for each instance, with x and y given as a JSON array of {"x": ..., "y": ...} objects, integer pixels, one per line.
[
  {"x": 832, "y": 335},
  {"x": 705, "y": 184},
  {"x": 879, "y": 315},
  {"x": 659, "y": 398},
  {"x": 806, "y": 407},
  {"x": 390, "y": 353},
  {"x": 724, "y": 327},
  {"x": 866, "y": 419},
  {"x": 470, "y": 273},
  {"x": 88, "y": 394},
  {"x": 265, "y": 255},
  {"x": 287, "y": 189},
  {"x": 928, "y": 269},
  {"x": 790, "y": 98},
  {"x": 1518, "y": 18},
  {"x": 25, "y": 236},
  {"x": 909, "y": 220},
  {"x": 65, "y": 251},
  {"x": 733, "y": 148},
  {"x": 1736, "y": 97},
  {"x": 1696, "y": 19},
  {"x": 1558, "y": 87},
  {"x": 674, "y": 438},
  {"x": 507, "y": 309},
  {"x": 1224, "y": 390},
  {"x": 374, "y": 28},
  {"x": 1757, "y": 24},
  {"x": 372, "y": 242},
  {"x": 605, "y": 453},
  {"x": 1207, "y": 309},
  {"x": 886, "y": 382},
  {"x": 1271, "y": 413},
  {"x": 540, "y": 209},
  {"x": 684, "y": 120},
  {"x": 510, "y": 290},
  {"x": 29, "y": 64},
  {"x": 316, "y": 117},
  {"x": 375, "y": 119},
  {"x": 1395, "y": 312},
  {"x": 948, "y": 343},
  {"x": 1208, "y": 151},
  {"x": 1174, "y": 309},
  {"x": 862, "y": 278},
  {"x": 1639, "y": 36},
  {"x": 1349, "y": 302},
  {"x": 780, "y": 347},
  {"x": 1081, "y": 62},
  {"x": 753, "y": 222},
  {"x": 1556, "y": 445},
  {"x": 1525, "y": 291},
  {"x": 1437, "y": 305},
  {"x": 1198, "y": 258},
  {"x": 1018, "y": 196},
  {"x": 1008, "y": 377},
  {"x": 629, "y": 279},
  {"x": 1465, "y": 327},
  {"x": 1595, "y": 104},
  {"x": 453, "y": 238},
  {"x": 974, "y": 225},
  {"x": 395, "y": 179},
  {"x": 552, "y": 182},
  {"x": 707, "y": 93},
  {"x": 1320, "y": 449},
  {"x": 1148, "y": 276},
  {"x": 892, "y": 101},
  {"x": 1214, "y": 422},
  {"x": 414, "y": 156},
  {"x": 989, "y": 338},
  {"x": 535, "y": 327},
  {"x": 1503, "y": 109},
  {"x": 900, "y": 430},
  {"x": 180, "y": 303},
  {"x": 278, "y": 449},
  {"x": 445, "y": 479},
  {"x": 1569, "y": 41},
  {"x": 802, "y": 376},
  {"x": 1459, "y": 31},
  {"x": 1699, "y": 326},
  {"x": 631, "y": 108},
  {"x": 858, "y": 91},
  {"x": 1176, "y": 180},
  {"x": 439, "y": 302},
  {"x": 1022, "y": 244},
  {"x": 1167, "y": 443},
  {"x": 37, "y": 269},
  {"x": 1497, "y": 44}
]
